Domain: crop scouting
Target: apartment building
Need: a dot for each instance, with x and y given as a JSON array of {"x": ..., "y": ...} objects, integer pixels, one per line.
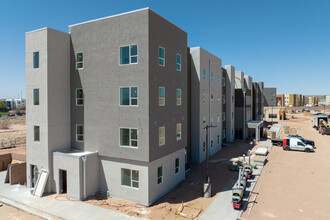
[
  {"x": 229, "y": 85},
  {"x": 207, "y": 99},
  {"x": 313, "y": 100},
  {"x": 107, "y": 106},
  {"x": 270, "y": 97},
  {"x": 280, "y": 99},
  {"x": 14, "y": 103}
]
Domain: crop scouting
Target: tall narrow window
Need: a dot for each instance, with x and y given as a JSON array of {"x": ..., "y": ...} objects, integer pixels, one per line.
[
  {"x": 160, "y": 175},
  {"x": 178, "y": 131},
  {"x": 218, "y": 139},
  {"x": 128, "y": 54},
  {"x": 161, "y": 56},
  {"x": 79, "y": 133},
  {"x": 36, "y": 60},
  {"x": 129, "y": 96},
  {"x": 36, "y": 133},
  {"x": 128, "y": 137},
  {"x": 79, "y": 97},
  {"x": 204, "y": 97},
  {"x": 223, "y": 116},
  {"x": 211, "y": 98},
  {"x": 79, "y": 61},
  {"x": 211, "y": 142},
  {"x": 218, "y": 118},
  {"x": 218, "y": 78},
  {"x": 36, "y": 96},
  {"x": 223, "y": 99},
  {"x": 204, "y": 74},
  {"x": 178, "y": 62},
  {"x": 204, "y": 122},
  {"x": 224, "y": 81},
  {"x": 178, "y": 97},
  {"x": 161, "y": 96},
  {"x": 177, "y": 165},
  {"x": 211, "y": 76},
  {"x": 204, "y": 146},
  {"x": 161, "y": 134},
  {"x": 223, "y": 133},
  {"x": 218, "y": 98}
]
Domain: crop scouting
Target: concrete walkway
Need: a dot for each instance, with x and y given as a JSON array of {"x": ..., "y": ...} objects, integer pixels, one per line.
[
  {"x": 222, "y": 207},
  {"x": 48, "y": 207}
]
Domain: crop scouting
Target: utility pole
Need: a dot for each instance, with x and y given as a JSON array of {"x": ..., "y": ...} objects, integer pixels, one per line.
[{"x": 207, "y": 184}]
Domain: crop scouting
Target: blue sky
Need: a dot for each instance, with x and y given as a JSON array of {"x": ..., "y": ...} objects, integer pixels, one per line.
[{"x": 285, "y": 43}]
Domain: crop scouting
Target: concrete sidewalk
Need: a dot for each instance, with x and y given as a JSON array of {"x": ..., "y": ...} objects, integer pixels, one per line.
[
  {"x": 222, "y": 207},
  {"x": 48, "y": 207}
]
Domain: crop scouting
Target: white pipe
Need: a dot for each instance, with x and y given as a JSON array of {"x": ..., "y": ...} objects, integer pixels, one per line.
[{"x": 84, "y": 159}]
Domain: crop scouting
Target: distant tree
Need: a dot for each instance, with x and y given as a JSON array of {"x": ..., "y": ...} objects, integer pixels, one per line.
[{"x": 3, "y": 106}]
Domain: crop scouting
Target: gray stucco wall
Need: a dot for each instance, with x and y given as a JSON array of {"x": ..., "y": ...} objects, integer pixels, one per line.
[
  {"x": 230, "y": 100},
  {"x": 269, "y": 97},
  {"x": 52, "y": 115},
  {"x": 201, "y": 60}
]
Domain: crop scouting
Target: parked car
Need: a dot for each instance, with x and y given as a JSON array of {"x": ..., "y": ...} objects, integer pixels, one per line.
[
  {"x": 11, "y": 115},
  {"x": 310, "y": 142},
  {"x": 296, "y": 144}
]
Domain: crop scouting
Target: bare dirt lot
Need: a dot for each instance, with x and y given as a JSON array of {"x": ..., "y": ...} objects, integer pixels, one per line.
[
  {"x": 294, "y": 185},
  {"x": 190, "y": 191},
  {"x": 10, "y": 213},
  {"x": 12, "y": 131}
]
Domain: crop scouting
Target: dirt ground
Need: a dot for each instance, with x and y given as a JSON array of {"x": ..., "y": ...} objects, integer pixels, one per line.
[
  {"x": 190, "y": 191},
  {"x": 10, "y": 213},
  {"x": 16, "y": 132},
  {"x": 294, "y": 185}
]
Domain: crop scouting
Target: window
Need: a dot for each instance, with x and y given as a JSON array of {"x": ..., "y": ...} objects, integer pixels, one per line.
[
  {"x": 223, "y": 99},
  {"x": 178, "y": 131},
  {"x": 36, "y": 96},
  {"x": 36, "y": 60},
  {"x": 272, "y": 115},
  {"x": 79, "y": 61},
  {"x": 218, "y": 118},
  {"x": 224, "y": 81},
  {"x": 161, "y": 56},
  {"x": 160, "y": 175},
  {"x": 178, "y": 96},
  {"x": 161, "y": 96},
  {"x": 211, "y": 119},
  {"x": 211, "y": 142},
  {"x": 204, "y": 74},
  {"x": 211, "y": 98},
  {"x": 161, "y": 134},
  {"x": 79, "y": 97},
  {"x": 232, "y": 83},
  {"x": 79, "y": 133},
  {"x": 218, "y": 99},
  {"x": 204, "y": 97},
  {"x": 204, "y": 122},
  {"x": 128, "y": 54},
  {"x": 178, "y": 62},
  {"x": 130, "y": 178},
  {"x": 218, "y": 78},
  {"x": 211, "y": 76},
  {"x": 223, "y": 133},
  {"x": 223, "y": 116},
  {"x": 204, "y": 146},
  {"x": 128, "y": 137},
  {"x": 218, "y": 139},
  {"x": 177, "y": 165},
  {"x": 129, "y": 96},
  {"x": 36, "y": 133}
]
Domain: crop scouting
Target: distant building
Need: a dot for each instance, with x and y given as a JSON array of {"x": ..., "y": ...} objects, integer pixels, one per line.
[
  {"x": 274, "y": 114},
  {"x": 14, "y": 103},
  {"x": 269, "y": 97}
]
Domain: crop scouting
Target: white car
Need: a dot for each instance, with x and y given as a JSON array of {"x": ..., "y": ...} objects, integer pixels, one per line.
[{"x": 296, "y": 144}]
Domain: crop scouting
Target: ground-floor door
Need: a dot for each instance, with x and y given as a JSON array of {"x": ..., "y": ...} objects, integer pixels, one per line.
[{"x": 63, "y": 181}]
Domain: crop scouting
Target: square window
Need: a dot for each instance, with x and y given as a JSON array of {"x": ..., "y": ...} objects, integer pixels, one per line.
[
  {"x": 178, "y": 62},
  {"x": 79, "y": 97},
  {"x": 129, "y": 96},
  {"x": 160, "y": 175},
  {"x": 36, "y": 96},
  {"x": 128, "y": 54},
  {"x": 79, "y": 133},
  {"x": 128, "y": 137},
  {"x": 36, "y": 60},
  {"x": 161, "y": 56},
  {"x": 36, "y": 133},
  {"x": 178, "y": 97},
  {"x": 79, "y": 61},
  {"x": 161, "y": 96},
  {"x": 161, "y": 134},
  {"x": 178, "y": 131},
  {"x": 177, "y": 165}
]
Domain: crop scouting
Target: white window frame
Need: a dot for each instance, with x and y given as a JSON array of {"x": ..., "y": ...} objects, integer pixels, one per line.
[
  {"x": 160, "y": 177},
  {"x": 177, "y": 168},
  {"x": 79, "y": 61},
  {"x": 129, "y": 55},
  {"x": 159, "y": 98},
  {"x": 160, "y": 137},
  {"x": 79, "y": 98},
  {"x": 177, "y": 61},
  {"x": 130, "y": 98},
  {"x": 130, "y": 139},
  {"x": 180, "y": 132},
  {"x": 80, "y": 134},
  {"x": 178, "y": 98},
  {"x": 34, "y": 140},
  {"x": 161, "y": 57},
  {"x": 131, "y": 178}
]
